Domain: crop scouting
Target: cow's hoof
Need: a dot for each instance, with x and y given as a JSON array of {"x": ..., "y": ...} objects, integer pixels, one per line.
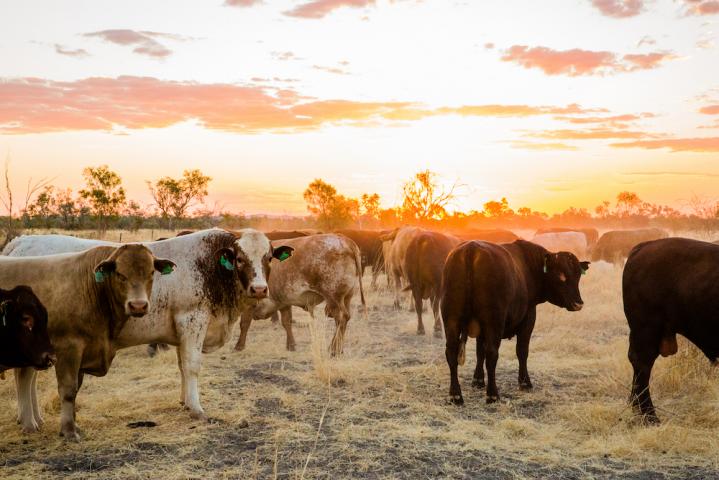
[
  {"x": 420, "y": 331},
  {"x": 492, "y": 398},
  {"x": 650, "y": 419},
  {"x": 526, "y": 386},
  {"x": 290, "y": 348},
  {"x": 31, "y": 428},
  {"x": 239, "y": 348},
  {"x": 476, "y": 383},
  {"x": 70, "y": 435},
  {"x": 198, "y": 415},
  {"x": 456, "y": 400},
  {"x": 438, "y": 334}
]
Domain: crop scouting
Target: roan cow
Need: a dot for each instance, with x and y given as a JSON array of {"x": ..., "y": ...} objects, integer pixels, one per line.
[
  {"x": 399, "y": 240},
  {"x": 490, "y": 292},
  {"x": 670, "y": 286},
  {"x": 324, "y": 268},
  {"x": 89, "y": 296},
  {"x": 219, "y": 274}
]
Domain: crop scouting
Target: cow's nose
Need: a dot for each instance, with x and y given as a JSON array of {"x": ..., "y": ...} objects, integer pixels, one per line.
[
  {"x": 137, "y": 306},
  {"x": 577, "y": 306},
  {"x": 49, "y": 359},
  {"x": 258, "y": 291}
]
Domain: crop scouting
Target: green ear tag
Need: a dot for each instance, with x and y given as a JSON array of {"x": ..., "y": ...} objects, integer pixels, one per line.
[
  {"x": 99, "y": 276},
  {"x": 167, "y": 270},
  {"x": 284, "y": 256},
  {"x": 226, "y": 263},
  {"x": 545, "y": 266},
  {"x": 584, "y": 272}
]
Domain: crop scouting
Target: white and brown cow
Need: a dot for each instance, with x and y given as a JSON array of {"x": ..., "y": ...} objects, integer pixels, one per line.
[
  {"x": 325, "y": 268},
  {"x": 218, "y": 275},
  {"x": 89, "y": 297},
  {"x": 395, "y": 253}
]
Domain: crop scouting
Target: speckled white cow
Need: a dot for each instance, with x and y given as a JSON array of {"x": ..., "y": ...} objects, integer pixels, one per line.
[
  {"x": 323, "y": 268},
  {"x": 218, "y": 275}
]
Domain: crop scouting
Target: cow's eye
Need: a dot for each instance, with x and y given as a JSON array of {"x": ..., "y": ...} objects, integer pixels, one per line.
[
  {"x": 562, "y": 277},
  {"x": 28, "y": 321},
  {"x": 121, "y": 277}
]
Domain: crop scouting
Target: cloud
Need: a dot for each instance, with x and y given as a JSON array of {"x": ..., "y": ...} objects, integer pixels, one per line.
[
  {"x": 489, "y": 46},
  {"x": 145, "y": 42},
  {"x": 284, "y": 56},
  {"x": 699, "y": 144},
  {"x": 335, "y": 70},
  {"x": 670, "y": 173},
  {"x": 589, "y": 134},
  {"x": 241, "y": 3},
  {"x": 77, "y": 53},
  {"x": 577, "y": 62},
  {"x": 542, "y": 146},
  {"x": 710, "y": 110},
  {"x": 615, "y": 121},
  {"x": 702, "y": 7},
  {"x": 34, "y": 105},
  {"x": 646, "y": 40},
  {"x": 619, "y": 8},
  {"x": 320, "y": 8}
]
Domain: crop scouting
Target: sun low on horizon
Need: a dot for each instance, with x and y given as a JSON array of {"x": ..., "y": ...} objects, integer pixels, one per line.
[{"x": 549, "y": 104}]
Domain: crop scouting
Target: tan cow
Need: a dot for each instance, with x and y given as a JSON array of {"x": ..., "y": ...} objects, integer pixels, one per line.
[
  {"x": 572, "y": 242},
  {"x": 89, "y": 296},
  {"x": 324, "y": 268},
  {"x": 614, "y": 246},
  {"x": 400, "y": 239}
]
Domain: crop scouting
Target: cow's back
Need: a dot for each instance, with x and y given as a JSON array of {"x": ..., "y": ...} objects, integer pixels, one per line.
[
  {"x": 573, "y": 242},
  {"x": 616, "y": 244},
  {"x": 424, "y": 261}
]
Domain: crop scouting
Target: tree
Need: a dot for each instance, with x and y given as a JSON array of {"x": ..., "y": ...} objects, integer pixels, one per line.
[
  {"x": 370, "y": 205},
  {"x": 628, "y": 203},
  {"x": 174, "y": 197},
  {"x": 104, "y": 192},
  {"x": 44, "y": 206},
  {"x": 423, "y": 199},
  {"x": 332, "y": 210},
  {"x": 67, "y": 208},
  {"x": 497, "y": 209}
]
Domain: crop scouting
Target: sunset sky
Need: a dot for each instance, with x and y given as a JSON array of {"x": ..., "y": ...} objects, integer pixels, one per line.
[{"x": 548, "y": 103}]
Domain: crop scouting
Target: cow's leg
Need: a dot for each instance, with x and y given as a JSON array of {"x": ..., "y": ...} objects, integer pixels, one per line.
[
  {"x": 452, "y": 351},
  {"x": 642, "y": 355},
  {"x": 417, "y": 297},
  {"x": 523, "y": 337},
  {"x": 275, "y": 317},
  {"x": 478, "y": 380},
  {"x": 182, "y": 376},
  {"x": 397, "y": 284},
  {"x": 67, "y": 372},
  {"x": 192, "y": 330},
  {"x": 491, "y": 353},
  {"x": 23, "y": 383},
  {"x": 437, "y": 317},
  {"x": 33, "y": 399},
  {"x": 341, "y": 316},
  {"x": 286, "y": 315},
  {"x": 245, "y": 322}
]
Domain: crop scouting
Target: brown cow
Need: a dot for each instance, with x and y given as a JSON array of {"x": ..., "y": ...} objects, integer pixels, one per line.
[
  {"x": 370, "y": 247},
  {"x": 24, "y": 340},
  {"x": 89, "y": 297},
  {"x": 487, "y": 235},
  {"x": 324, "y": 268},
  {"x": 423, "y": 264},
  {"x": 670, "y": 287},
  {"x": 591, "y": 233},
  {"x": 490, "y": 292},
  {"x": 614, "y": 246}
]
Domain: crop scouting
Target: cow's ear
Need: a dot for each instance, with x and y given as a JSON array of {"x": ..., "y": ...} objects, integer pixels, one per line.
[
  {"x": 585, "y": 267},
  {"x": 282, "y": 253},
  {"x": 164, "y": 266},
  {"x": 227, "y": 258},
  {"x": 104, "y": 269},
  {"x": 7, "y": 307}
]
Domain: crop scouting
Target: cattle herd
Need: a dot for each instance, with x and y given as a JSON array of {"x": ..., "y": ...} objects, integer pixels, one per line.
[{"x": 73, "y": 303}]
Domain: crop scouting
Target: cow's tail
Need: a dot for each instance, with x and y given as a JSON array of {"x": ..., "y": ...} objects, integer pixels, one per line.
[
  {"x": 461, "y": 356},
  {"x": 358, "y": 268}
]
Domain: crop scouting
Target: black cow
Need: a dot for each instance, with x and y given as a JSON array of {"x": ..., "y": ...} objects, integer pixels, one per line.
[
  {"x": 490, "y": 292},
  {"x": 24, "y": 341},
  {"x": 669, "y": 286}
]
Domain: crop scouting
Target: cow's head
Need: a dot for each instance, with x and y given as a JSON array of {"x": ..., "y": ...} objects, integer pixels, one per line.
[
  {"x": 250, "y": 258},
  {"x": 23, "y": 323},
  {"x": 129, "y": 272},
  {"x": 562, "y": 272}
]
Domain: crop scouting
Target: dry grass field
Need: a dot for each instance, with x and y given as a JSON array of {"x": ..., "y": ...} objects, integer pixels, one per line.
[{"x": 381, "y": 411}]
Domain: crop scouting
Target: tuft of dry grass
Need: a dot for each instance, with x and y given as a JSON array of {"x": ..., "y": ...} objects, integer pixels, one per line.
[{"x": 379, "y": 410}]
